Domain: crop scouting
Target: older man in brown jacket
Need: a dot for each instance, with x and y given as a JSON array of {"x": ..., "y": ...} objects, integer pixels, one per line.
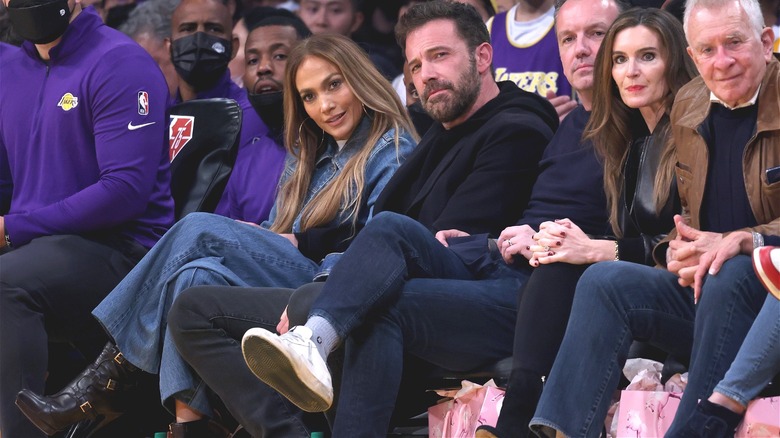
[{"x": 726, "y": 127}]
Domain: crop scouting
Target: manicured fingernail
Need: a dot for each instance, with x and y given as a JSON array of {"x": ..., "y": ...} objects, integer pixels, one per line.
[
  {"x": 563, "y": 233},
  {"x": 528, "y": 247},
  {"x": 558, "y": 243},
  {"x": 550, "y": 253}
]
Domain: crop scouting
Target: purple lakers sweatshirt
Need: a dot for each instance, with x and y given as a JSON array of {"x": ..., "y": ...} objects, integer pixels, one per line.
[{"x": 83, "y": 145}]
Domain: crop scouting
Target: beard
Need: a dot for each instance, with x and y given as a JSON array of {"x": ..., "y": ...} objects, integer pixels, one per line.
[{"x": 444, "y": 108}]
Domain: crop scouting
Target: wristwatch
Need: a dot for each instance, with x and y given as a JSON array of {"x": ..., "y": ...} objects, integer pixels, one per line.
[{"x": 758, "y": 239}]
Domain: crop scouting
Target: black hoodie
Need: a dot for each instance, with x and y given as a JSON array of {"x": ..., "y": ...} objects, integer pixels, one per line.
[{"x": 477, "y": 176}]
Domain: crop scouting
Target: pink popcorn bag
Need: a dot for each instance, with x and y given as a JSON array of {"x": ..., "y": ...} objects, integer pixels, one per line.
[
  {"x": 459, "y": 415},
  {"x": 645, "y": 414},
  {"x": 762, "y": 419}
]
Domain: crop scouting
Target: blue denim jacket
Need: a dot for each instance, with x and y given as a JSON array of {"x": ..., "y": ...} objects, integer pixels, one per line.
[{"x": 380, "y": 167}]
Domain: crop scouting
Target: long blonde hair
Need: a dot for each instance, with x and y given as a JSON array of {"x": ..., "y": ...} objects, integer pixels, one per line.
[
  {"x": 610, "y": 120},
  {"x": 304, "y": 139}
]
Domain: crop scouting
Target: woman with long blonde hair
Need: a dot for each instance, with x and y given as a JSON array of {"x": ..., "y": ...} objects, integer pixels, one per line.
[{"x": 346, "y": 134}]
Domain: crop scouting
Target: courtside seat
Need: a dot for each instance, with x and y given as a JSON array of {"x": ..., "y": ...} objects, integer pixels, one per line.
[{"x": 204, "y": 138}]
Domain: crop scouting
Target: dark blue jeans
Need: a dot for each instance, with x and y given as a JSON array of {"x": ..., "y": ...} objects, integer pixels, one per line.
[
  {"x": 396, "y": 290},
  {"x": 616, "y": 303}
]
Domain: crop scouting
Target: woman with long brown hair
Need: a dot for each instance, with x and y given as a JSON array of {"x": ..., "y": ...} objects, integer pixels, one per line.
[{"x": 639, "y": 68}]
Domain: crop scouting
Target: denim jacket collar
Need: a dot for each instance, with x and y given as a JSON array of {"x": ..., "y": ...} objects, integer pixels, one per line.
[{"x": 353, "y": 145}]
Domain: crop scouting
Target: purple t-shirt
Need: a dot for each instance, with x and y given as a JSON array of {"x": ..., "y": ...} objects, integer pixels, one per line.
[
  {"x": 536, "y": 68},
  {"x": 83, "y": 138},
  {"x": 251, "y": 188}
]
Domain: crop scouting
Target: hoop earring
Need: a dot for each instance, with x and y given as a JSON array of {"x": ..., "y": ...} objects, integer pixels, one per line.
[{"x": 300, "y": 132}]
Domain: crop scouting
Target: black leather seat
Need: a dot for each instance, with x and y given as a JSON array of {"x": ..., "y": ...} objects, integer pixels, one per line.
[{"x": 204, "y": 139}]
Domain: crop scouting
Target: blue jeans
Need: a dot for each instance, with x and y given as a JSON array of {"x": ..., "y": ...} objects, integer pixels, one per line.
[
  {"x": 758, "y": 360},
  {"x": 398, "y": 290},
  {"x": 618, "y": 302},
  {"x": 201, "y": 249}
]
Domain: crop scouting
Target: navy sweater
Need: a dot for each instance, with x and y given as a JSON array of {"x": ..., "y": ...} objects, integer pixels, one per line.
[
  {"x": 571, "y": 181},
  {"x": 726, "y": 206}
]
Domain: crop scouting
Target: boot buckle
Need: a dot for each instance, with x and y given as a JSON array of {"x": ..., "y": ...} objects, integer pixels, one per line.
[
  {"x": 119, "y": 358},
  {"x": 86, "y": 407},
  {"x": 111, "y": 385}
]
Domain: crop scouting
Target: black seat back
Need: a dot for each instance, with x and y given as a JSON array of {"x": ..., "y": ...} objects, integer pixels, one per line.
[{"x": 203, "y": 137}]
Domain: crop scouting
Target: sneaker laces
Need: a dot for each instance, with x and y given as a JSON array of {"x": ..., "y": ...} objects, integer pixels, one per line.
[{"x": 299, "y": 338}]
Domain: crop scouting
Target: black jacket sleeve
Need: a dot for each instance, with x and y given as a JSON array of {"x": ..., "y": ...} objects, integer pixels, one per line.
[
  {"x": 639, "y": 249},
  {"x": 318, "y": 242}
]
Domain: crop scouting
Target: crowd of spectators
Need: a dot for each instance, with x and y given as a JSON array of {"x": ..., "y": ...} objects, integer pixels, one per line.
[{"x": 417, "y": 183}]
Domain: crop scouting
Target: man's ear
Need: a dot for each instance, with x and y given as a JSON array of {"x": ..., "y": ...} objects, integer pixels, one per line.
[
  {"x": 236, "y": 44},
  {"x": 767, "y": 42},
  {"x": 168, "y": 44},
  {"x": 690, "y": 53},
  {"x": 356, "y": 22},
  {"x": 484, "y": 57}
]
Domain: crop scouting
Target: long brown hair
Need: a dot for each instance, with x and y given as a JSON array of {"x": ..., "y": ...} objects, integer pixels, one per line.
[
  {"x": 303, "y": 137},
  {"x": 609, "y": 124}
]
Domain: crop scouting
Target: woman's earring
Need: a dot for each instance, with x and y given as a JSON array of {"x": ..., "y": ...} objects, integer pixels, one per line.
[
  {"x": 300, "y": 129},
  {"x": 300, "y": 132}
]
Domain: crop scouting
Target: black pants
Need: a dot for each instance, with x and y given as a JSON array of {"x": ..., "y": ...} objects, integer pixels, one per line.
[
  {"x": 207, "y": 324},
  {"x": 47, "y": 290},
  {"x": 542, "y": 315}
]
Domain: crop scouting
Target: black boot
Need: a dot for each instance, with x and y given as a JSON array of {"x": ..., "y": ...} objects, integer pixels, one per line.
[
  {"x": 522, "y": 395},
  {"x": 709, "y": 420},
  {"x": 95, "y": 395},
  {"x": 204, "y": 428}
]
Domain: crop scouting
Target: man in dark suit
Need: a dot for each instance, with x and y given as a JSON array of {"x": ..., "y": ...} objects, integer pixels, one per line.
[{"x": 398, "y": 289}]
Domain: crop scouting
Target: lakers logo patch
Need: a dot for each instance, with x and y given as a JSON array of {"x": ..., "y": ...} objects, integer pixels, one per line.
[{"x": 68, "y": 102}]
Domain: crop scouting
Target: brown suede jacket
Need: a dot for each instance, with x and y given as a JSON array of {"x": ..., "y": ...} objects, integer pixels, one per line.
[{"x": 691, "y": 108}]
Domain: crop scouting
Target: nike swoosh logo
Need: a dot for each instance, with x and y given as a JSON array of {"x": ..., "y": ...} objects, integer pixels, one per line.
[{"x": 131, "y": 127}]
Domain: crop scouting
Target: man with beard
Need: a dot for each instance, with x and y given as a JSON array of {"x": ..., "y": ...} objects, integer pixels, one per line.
[
  {"x": 397, "y": 289},
  {"x": 251, "y": 189},
  {"x": 84, "y": 184},
  {"x": 201, "y": 46}
]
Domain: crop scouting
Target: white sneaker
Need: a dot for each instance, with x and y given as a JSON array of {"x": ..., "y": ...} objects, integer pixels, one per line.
[{"x": 290, "y": 364}]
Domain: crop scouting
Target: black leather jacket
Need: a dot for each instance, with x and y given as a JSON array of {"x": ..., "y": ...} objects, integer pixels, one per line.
[{"x": 642, "y": 225}]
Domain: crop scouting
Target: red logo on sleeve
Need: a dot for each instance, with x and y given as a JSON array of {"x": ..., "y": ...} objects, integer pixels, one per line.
[
  {"x": 180, "y": 133},
  {"x": 143, "y": 103}
]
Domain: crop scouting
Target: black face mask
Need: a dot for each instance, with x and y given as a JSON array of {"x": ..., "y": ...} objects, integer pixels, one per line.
[
  {"x": 269, "y": 107},
  {"x": 201, "y": 59},
  {"x": 39, "y": 23}
]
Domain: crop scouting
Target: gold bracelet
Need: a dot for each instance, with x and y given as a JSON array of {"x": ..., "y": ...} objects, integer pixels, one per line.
[{"x": 617, "y": 253}]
